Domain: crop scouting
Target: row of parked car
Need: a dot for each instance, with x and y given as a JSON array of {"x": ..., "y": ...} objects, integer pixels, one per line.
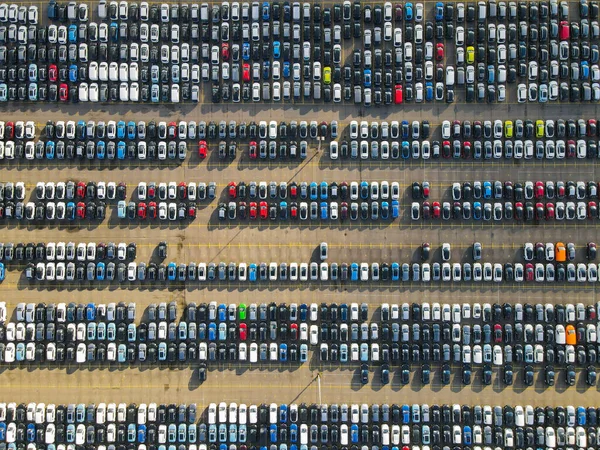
[
  {"x": 302, "y": 424},
  {"x": 519, "y": 191},
  {"x": 272, "y": 272},
  {"x": 71, "y": 251},
  {"x": 282, "y": 130},
  {"x": 498, "y": 211}
]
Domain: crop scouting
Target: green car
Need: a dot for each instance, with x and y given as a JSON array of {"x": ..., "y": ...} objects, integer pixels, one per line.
[{"x": 242, "y": 311}]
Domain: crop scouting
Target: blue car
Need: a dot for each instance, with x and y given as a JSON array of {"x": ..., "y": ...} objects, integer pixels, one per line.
[
  {"x": 121, "y": 149},
  {"x": 90, "y": 311},
  {"x": 212, "y": 331},
  {"x": 72, "y": 34},
  {"x": 283, "y": 412},
  {"x": 395, "y": 271},
  {"x": 73, "y": 72},
  {"x": 81, "y": 127},
  {"x": 141, "y": 434},
  {"x": 405, "y": 414},
  {"x": 222, "y": 310},
  {"x": 114, "y": 31},
  {"x": 2, "y": 273},
  {"x": 324, "y": 190},
  {"x": 286, "y": 69},
  {"x": 131, "y": 432},
  {"x": 171, "y": 271},
  {"x": 405, "y": 150},
  {"x": 70, "y": 214},
  {"x": 154, "y": 94},
  {"x": 313, "y": 189},
  {"x": 266, "y": 70},
  {"x": 131, "y": 128},
  {"x": 101, "y": 150},
  {"x": 585, "y": 70},
  {"x": 100, "y": 271},
  {"x": 20, "y": 355},
  {"x": 364, "y": 190},
  {"x": 428, "y": 91},
  {"x": 408, "y": 11},
  {"x": 439, "y": 11},
  {"x": 581, "y": 417},
  {"x": 273, "y": 433},
  {"x": 3, "y": 92},
  {"x": 265, "y": 10},
  {"x": 477, "y": 210},
  {"x": 354, "y": 433},
  {"x": 467, "y": 435},
  {"x": 354, "y": 271},
  {"x": 2, "y": 431},
  {"x": 303, "y": 353},
  {"x": 276, "y": 49},
  {"x": 395, "y": 209},
  {"x": 293, "y": 432},
  {"x": 252, "y": 272},
  {"x": 50, "y": 147},
  {"x": 246, "y": 51},
  {"x": 30, "y": 432},
  {"x": 122, "y": 357},
  {"x": 367, "y": 76},
  {"x": 121, "y": 129},
  {"x": 324, "y": 210},
  {"x": 487, "y": 189}
]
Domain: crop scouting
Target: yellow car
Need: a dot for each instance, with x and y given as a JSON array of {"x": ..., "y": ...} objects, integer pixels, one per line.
[
  {"x": 327, "y": 75},
  {"x": 508, "y": 129},
  {"x": 539, "y": 128},
  {"x": 470, "y": 54}
]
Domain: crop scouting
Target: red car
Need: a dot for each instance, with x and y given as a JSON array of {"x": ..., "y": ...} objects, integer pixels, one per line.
[
  {"x": 243, "y": 331},
  {"x": 192, "y": 211},
  {"x": 172, "y": 130},
  {"x": 264, "y": 210},
  {"x": 549, "y": 211},
  {"x": 436, "y": 210},
  {"x": 182, "y": 190},
  {"x": 246, "y": 72},
  {"x": 398, "y": 94},
  {"x": 529, "y": 272},
  {"x": 294, "y": 210},
  {"x": 152, "y": 210},
  {"x": 563, "y": 31},
  {"x": 253, "y": 210},
  {"x": 294, "y": 331},
  {"x": 63, "y": 92},
  {"x": 52, "y": 73},
  {"x": 141, "y": 210},
  {"x": 225, "y": 51},
  {"x": 592, "y": 210},
  {"x": 497, "y": 333},
  {"x": 81, "y": 210},
  {"x": 80, "y": 189},
  {"x": 439, "y": 51},
  {"x": 202, "y": 149},
  {"x": 293, "y": 191},
  {"x": 539, "y": 189},
  {"x": 9, "y": 130},
  {"x": 231, "y": 188},
  {"x": 252, "y": 150}
]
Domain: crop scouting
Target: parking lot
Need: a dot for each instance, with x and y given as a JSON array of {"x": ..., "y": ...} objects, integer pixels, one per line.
[{"x": 205, "y": 239}]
